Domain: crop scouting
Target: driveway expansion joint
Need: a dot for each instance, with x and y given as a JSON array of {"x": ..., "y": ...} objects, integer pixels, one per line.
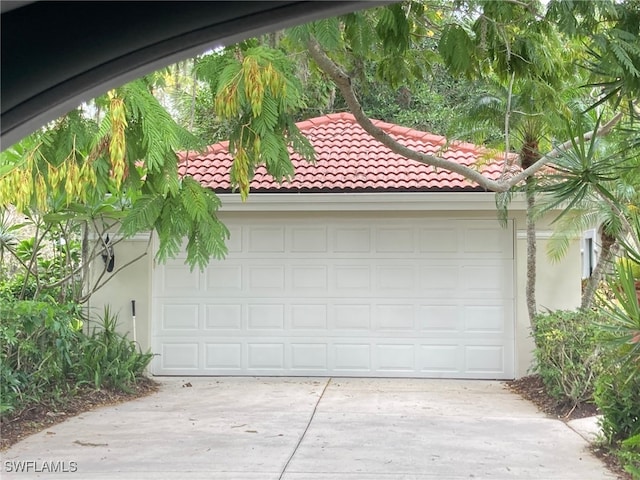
[{"x": 313, "y": 413}]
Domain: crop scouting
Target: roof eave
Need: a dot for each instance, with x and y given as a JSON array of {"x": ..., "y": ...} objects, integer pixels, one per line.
[{"x": 367, "y": 201}]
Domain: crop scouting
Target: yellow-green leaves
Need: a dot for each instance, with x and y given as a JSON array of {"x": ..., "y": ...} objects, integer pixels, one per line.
[
  {"x": 256, "y": 92},
  {"x": 246, "y": 82},
  {"x": 117, "y": 139},
  {"x": 227, "y": 103},
  {"x": 33, "y": 182}
]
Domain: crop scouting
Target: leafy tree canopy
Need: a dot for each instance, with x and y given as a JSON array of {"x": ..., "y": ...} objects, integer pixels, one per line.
[{"x": 116, "y": 156}]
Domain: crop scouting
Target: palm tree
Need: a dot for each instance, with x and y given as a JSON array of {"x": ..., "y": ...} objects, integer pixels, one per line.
[{"x": 526, "y": 111}]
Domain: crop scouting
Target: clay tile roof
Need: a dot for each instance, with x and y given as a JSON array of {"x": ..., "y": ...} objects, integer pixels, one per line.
[{"x": 348, "y": 159}]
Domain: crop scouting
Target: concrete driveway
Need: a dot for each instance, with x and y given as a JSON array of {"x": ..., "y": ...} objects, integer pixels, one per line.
[{"x": 311, "y": 429}]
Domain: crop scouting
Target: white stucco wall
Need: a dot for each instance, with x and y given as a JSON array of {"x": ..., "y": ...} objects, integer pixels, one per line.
[
  {"x": 558, "y": 284},
  {"x": 132, "y": 283}
]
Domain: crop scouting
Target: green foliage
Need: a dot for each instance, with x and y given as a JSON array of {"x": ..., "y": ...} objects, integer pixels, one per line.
[
  {"x": 629, "y": 454},
  {"x": 623, "y": 311},
  {"x": 257, "y": 92},
  {"x": 158, "y": 135},
  {"x": 456, "y": 48},
  {"x": 327, "y": 32},
  {"x": 567, "y": 353},
  {"x": 434, "y": 107},
  {"x": 630, "y": 266},
  {"x": 38, "y": 341},
  {"x": 107, "y": 359},
  {"x": 45, "y": 357},
  {"x": 618, "y": 387},
  {"x": 357, "y": 28},
  {"x": 617, "y": 394},
  {"x": 118, "y": 164},
  {"x": 393, "y": 28},
  {"x": 611, "y": 29},
  {"x": 43, "y": 266},
  {"x": 188, "y": 213}
]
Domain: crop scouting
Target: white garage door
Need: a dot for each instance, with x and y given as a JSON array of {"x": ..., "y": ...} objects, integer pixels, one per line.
[{"x": 386, "y": 295}]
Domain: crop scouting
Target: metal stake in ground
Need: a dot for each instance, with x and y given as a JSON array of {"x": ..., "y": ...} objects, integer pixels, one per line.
[{"x": 133, "y": 316}]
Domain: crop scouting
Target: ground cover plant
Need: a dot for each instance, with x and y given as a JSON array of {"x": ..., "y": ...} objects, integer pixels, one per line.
[{"x": 46, "y": 357}]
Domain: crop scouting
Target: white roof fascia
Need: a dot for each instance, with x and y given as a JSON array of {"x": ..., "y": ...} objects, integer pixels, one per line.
[{"x": 405, "y": 201}]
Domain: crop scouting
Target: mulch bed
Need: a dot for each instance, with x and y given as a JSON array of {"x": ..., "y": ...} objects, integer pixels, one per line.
[
  {"x": 531, "y": 388},
  {"x": 36, "y": 418}
]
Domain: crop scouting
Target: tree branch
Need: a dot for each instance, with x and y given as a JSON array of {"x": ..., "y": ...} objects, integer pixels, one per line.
[
  {"x": 507, "y": 124},
  {"x": 343, "y": 82},
  {"x": 97, "y": 285},
  {"x": 89, "y": 258},
  {"x": 563, "y": 147}
]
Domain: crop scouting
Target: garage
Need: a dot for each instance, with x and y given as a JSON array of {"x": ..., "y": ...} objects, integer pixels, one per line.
[{"x": 342, "y": 293}]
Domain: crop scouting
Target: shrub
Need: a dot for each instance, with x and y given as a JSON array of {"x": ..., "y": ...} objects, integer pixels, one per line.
[
  {"x": 44, "y": 356},
  {"x": 109, "y": 359},
  {"x": 567, "y": 353},
  {"x": 617, "y": 395},
  {"x": 38, "y": 342},
  {"x": 629, "y": 454}
]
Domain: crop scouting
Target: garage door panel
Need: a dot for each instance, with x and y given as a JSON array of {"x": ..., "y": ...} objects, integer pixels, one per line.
[
  {"x": 266, "y": 240},
  {"x": 309, "y": 240},
  {"x": 180, "y": 357},
  {"x": 305, "y": 317},
  {"x": 484, "y": 318},
  {"x": 370, "y": 297},
  {"x": 486, "y": 359},
  {"x": 352, "y": 357},
  {"x": 309, "y": 356},
  {"x": 265, "y": 317},
  {"x": 351, "y": 317},
  {"x": 353, "y": 278},
  {"x": 351, "y": 240},
  {"x": 440, "y": 359},
  {"x": 439, "y": 279},
  {"x": 176, "y": 280},
  {"x": 307, "y": 277},
  {"x": 391, "y": 358},
  {"x": 439, "y": 240},
  {"x": 399, "y": 277},
  {"x": 395, "y": 240},
  {"x": 180, "y": 317},
  {"x": 223, "y": 317},
  {"x": 486, "y": 241},
  {"x": 223, "y": 357},
  {"x": 485, "y": 280},
  {"x": 223, "y": 279},
  {"x": 439, "y": 319},
  {"x": 235, "y": 240},
  {"x": 394, "y": 317},
  {"x": 265, "y": 356},
  {"x": 265, "y": 279}
]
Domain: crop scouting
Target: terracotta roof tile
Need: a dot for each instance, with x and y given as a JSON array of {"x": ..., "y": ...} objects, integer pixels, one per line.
[{"x": 349, "y": 159}]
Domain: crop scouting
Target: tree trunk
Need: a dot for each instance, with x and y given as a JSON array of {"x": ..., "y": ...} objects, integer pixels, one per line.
[
  {"x": 84, "y": 258},
  {"x": 530, "y": 289},
  {"x": 608, "y": 249}
]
